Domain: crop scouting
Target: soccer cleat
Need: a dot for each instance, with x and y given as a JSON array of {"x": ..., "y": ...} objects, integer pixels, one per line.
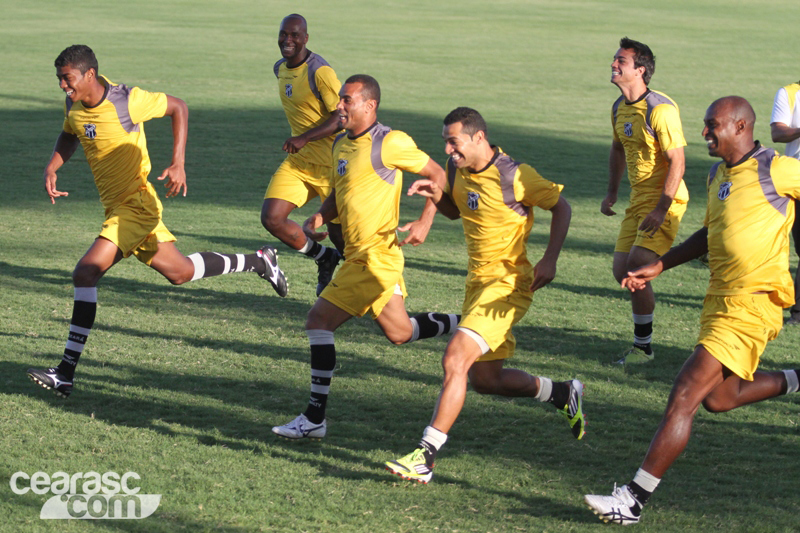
[
  {"x": 573, "y": 410},
  {"x": 412, "y": 467},
  {"x": 635, "y": 356},
  {"x": 51, "y": 379},
  {"x": 301, "y": 428},
  {"x": 325, "y": 267},
  {"x": 619, "y": 508},
  {"x": 273, "y": 274}
]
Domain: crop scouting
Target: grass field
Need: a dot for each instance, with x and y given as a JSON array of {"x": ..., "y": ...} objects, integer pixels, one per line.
[{"x": 182, "y": 384}]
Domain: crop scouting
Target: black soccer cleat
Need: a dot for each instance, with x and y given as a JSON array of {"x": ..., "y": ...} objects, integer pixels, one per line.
[
  {"x": 273, "y": 273},
  {"x": 51, "y": 379}
]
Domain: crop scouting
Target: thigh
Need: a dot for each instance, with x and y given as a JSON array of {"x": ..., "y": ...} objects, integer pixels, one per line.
[
  {"x": 325, "y": 315},
  {"x": 393, "y": 319},
  {"x": 101, "y": 255},
  {"x": 699, "y": 376},
  {"x": 171, "y": 263}
]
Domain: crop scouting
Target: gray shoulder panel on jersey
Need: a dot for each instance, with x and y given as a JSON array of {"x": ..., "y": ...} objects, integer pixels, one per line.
[
  {"x": 713, "y": 172},
  {"x": 654, "y": 99},
  {"x": 764, "y": 157},
  {"x": 314, "y": 63},
  {"x": 615, "y": 107},
  {"x": 451, "y": 173},
  {"x": 508, "y": 170},
  {"x": 69, "y": 104},
  {"x": 276, "y": 68},
  {"x": 118, "y": 95},
  {"x": 379, "y": 132},
  {"x": 337, "y": 139}
]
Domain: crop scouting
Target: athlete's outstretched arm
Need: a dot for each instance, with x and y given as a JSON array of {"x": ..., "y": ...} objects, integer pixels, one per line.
[
  {"x": 545, "y": 270},
  {"x": 66, "y": 144},
  {"x": 175, "y": 174},
  {"x": 418, "y": 229},
  {"x": 691, "y": 248}
]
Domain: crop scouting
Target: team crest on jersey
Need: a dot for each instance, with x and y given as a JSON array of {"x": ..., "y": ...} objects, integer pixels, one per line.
[
  {"x": 90, "y": 130},
  {"x": 724, "y": 190},
  {"x": 341, "y": 168},
  {"x": 288, "y": 90},
  {"x": 472, "y": 200},
  {"x": 628, "y": 129}
]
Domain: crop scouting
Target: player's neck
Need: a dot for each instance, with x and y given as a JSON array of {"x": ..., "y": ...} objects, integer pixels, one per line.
[
  {"x": 299, "y": 59},
  {"x": 96, "y": 94},
  {"x": 483, "y": 160},
  {"x": 633, "y": 92}
]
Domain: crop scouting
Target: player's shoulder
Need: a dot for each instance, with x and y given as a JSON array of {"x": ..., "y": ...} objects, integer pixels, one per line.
[
  {"x": 316, "y": 62},
  {"x": 276, "y": 68}
]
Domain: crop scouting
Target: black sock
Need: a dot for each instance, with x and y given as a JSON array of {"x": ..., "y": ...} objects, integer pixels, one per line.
[
  {"x": 208, "y": 264},
  {"x": 84, "y": 311},
  {"x": 433, "y": 324},
  {"x": 323, "y": 361},
  {"x": 318, "y": 251},
  {"x": 642, "y": 335},
  {"x": 639, "y": 494},
  {"x": 560, "y": 394},
  {"x": 430, "y": 452}
]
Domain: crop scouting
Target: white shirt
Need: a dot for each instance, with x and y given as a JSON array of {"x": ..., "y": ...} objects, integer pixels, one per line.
[{"x": 783, "y": 112}]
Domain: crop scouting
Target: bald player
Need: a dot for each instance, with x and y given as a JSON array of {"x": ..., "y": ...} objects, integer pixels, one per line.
[{"x": 746, "y": 235}]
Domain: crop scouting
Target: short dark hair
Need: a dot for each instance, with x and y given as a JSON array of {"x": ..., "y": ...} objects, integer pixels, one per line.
[
  {"x": 370, "y": 89},
  {"x": 642, "y": 57},
  {"x": 471, "y": 121},
  {"x": 77, "y": 56}
]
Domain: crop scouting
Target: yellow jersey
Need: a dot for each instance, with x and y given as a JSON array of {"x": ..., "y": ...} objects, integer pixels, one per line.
[
  {"x": 112, "y": 136},
  {"x": 749, "y": 216},
  {"x": 496, "y": 204},
  {"x": 309, "y": 93},
  {"x": 647, "y": 128},
  {"x": 368, "y": 179}
]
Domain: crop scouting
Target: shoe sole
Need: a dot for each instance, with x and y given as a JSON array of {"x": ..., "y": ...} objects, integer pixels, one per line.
[
  {"x": 418, "y": 480},
  {"x": 298, "y": 439},
  {"x": 48, "y": 387},
  {"x": 606, "y": 520}
]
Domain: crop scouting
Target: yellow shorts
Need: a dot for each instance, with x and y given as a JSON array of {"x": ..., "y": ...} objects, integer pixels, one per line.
[
  {"x": 135, "y": 225},
  {"x": 661, "y": 241},
  {"x": 360, "y": 286},
  {"x": 491, "y": 308},
  {"x": 736, "y": 329},
  {"x": 298, "y": 182}
]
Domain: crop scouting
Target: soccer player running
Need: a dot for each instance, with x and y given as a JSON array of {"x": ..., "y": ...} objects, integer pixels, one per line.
[
  {"x": 107, "y": 120},
  {"x": 370, "y": 160},
  {"x": 648, "y": 136},
  {"x": 494, "y": 196},
  {"x": 785, "y": 128},
  {"x": 746, "y": 235},
  {"x": 308, "y": 89}
]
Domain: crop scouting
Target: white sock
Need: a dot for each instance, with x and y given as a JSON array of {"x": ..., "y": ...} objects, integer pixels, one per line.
[
  {"x": 545, "y": 389},
  {"x": 645, "y": 480},
  {"x": 434, "y": 437},
  {"x": 792, "y": 384}
]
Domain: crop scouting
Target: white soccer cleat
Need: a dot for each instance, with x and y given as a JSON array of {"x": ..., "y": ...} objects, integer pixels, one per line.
[
  {"x": 619, "y": 508},
  {"x": 301, "y": 428}
]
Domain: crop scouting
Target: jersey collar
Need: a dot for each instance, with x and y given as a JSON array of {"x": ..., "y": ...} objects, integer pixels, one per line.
[{"x": 746, "y": 156}]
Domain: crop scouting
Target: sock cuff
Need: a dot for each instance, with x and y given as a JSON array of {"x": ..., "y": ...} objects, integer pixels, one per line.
[
  {"x": 792, "y": 384},
  {"x": 642, "y": 319},
  {"x": 199, "y": 266},
  {"x": 319, "y": 336},
  {"x": 86, "y": 294},
  {"x": 434, "y": 437},
  {"x": 545, "y": 389},
  {"x": 306, "y": 247},
  {"x": 646, "y": 480},
  {"x": 414, "y": 330}
]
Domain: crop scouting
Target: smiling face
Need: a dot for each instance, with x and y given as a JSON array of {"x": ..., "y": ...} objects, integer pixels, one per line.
[
  {"x": 75, "y": 84},
  {"x": 292, "y": 39},
  {"x": 462, "y": 149},
  {"x": 356, "y": 113},
  {"x": 719, "y": 130},
  {"x": 623, "y": 68}
]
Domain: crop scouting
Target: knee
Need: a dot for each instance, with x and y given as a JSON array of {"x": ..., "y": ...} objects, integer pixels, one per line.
[
  {"x": 271, "y": 220},
  {"x": 714, "y": 405},
  {"x": 86, "y": 275}
]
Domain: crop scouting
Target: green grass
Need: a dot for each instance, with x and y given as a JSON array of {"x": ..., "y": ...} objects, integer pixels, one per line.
[{"x": 182, "y": 384}]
